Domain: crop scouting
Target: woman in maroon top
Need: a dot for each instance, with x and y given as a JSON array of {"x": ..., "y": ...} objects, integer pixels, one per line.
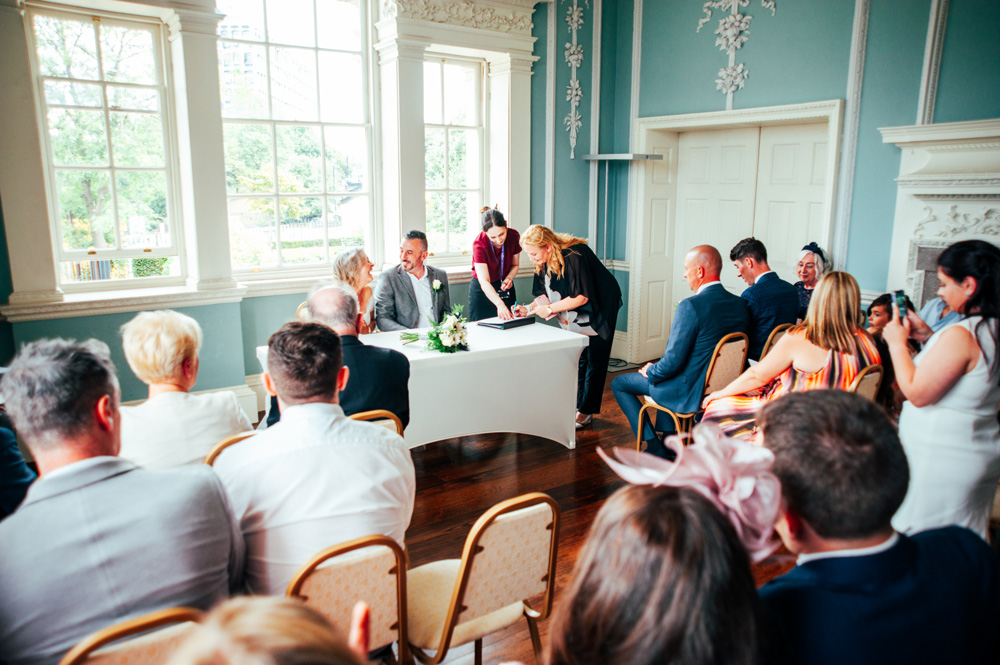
[{"x": 494, "y": 266}]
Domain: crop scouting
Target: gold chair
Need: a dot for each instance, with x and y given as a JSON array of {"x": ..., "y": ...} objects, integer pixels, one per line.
[
  {"x": 370, "y": 568},
  {"x": 776, "y": 334},
  {"x": 509, "y": 557},
  {"x": 726, "y": 364},
  {"x": 222, "y": 445},
  {"x": 106, "y": 647},
  {"x": 302, "y": 311},
  {"x": 867, "y": 382},
  {"x": 382, "y": 417}
]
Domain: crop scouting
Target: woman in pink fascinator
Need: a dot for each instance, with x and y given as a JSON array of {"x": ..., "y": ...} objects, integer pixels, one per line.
[{"x": 664, "y": 576}]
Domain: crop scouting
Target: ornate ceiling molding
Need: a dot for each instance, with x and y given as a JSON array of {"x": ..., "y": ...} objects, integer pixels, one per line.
[{"x": 511, "y": 16}]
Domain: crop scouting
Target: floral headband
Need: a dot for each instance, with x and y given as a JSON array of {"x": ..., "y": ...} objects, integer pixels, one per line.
[{"x": 735, "y": 476}]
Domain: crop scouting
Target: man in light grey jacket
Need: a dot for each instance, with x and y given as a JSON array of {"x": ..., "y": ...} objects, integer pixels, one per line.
[
  {"x": 412, "y": 294},
  {"x": 99, "y": 540}
]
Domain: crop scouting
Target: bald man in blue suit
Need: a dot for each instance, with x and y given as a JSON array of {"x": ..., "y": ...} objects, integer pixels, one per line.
[{"x": 677, "y": 380}]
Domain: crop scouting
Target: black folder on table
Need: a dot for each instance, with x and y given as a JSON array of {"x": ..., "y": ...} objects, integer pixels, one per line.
[{"x": 497, "y": 322}]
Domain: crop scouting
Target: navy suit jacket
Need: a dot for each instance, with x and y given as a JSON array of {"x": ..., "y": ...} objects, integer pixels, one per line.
[
  {"x": 932, "y": 598},
  {"x": 772, "y": 301},
  {"x": 677, "y": 380},
  {"x": 379, "y": 379}
]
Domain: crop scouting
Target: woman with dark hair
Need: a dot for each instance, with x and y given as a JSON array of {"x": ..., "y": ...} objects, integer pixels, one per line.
[
  {"x": 494, "y": 267},
  {"x": 949, "y": 425}
]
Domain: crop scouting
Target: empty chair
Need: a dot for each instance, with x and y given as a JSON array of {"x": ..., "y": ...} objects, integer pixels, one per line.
[
  {"x": 225, "y": 443},
  {"x": 773, "y": 338},
  {"x": 111, "y": 646},
  {"x": 302, "y": 311},
  {"x": 370, "y": 568},
  {"x": 382, "y": 417},
  {"x": 726, "y": 364},
  {"x": 867, "y": 382},
  {"x": 509, "y": 557}
]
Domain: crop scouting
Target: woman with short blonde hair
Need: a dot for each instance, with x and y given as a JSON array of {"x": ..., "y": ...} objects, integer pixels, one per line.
[
  {"x": 354, "y": 267},
  {"x": 828, "y": 351},
  {"x": 172, "y": 427}
]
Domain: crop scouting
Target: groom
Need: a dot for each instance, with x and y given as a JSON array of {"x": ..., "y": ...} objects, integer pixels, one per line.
[{"x": 413, "y": 294}]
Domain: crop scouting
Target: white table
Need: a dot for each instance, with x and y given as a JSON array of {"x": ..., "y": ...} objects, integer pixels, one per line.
[{"x": 521, "y": 380}]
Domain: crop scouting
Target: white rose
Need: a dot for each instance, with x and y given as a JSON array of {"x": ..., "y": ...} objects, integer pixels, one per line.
[
  {"x": 450, "y": 321},
  {"x": 436, "y": 284},
  {"x": 448, "y": 340}
]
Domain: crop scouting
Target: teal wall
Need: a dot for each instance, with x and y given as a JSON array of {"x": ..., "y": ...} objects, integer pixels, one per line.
[{"x": 967, "y": 86}]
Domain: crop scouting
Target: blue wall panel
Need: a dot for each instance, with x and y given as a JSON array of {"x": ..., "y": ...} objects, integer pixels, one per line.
[{"x": 969, "y": 83}]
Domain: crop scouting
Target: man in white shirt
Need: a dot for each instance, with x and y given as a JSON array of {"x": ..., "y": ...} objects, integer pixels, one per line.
[
  {"x": 412, "y": 294},
  {"x": 316, "y": 478}
]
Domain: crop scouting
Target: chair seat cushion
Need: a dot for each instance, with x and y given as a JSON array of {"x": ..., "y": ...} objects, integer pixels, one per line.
[{"x": 429, "y": 589}]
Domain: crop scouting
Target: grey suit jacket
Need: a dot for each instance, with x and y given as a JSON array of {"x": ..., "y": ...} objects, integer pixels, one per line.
[
  {"x": 396, "y": 304},
  {"x": 102, "y": 541}
]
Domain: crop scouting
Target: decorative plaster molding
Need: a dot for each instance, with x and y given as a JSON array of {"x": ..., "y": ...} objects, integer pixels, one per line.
[
  {"x": 932, "y": 61},
  {"x": 574, "y": 57},
  {"x": 617, "y": 265},
  {"x": 987, "y": 180},
  {"x": 765, "y": 115},
  {"x": 936, "y": 196},
  {"x": 191, "y": 21},
  {"x": 92, "y": 304},
  {"x": 511, "y": 16},
  {"x": 733, "y": 32},
  {"x": 956, "y": 224}
]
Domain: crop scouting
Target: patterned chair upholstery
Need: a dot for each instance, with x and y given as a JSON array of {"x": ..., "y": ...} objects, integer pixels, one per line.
[
  {"x": 726, "y": 364},
  {"x": 111, "y": 646},
  {"x": 867, "y": 382},
  {"x": 214, "y": 453},
  {"x": 370, "y": 568},
  {"x": 509, "y": 557}
]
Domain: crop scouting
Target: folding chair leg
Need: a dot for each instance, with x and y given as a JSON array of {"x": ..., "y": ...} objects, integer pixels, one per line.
[
  {"x": 479, "y": 651},
  {"x": 536, "y": 640}
]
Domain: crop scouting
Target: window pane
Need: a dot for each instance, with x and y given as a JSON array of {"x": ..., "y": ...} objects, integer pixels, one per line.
[
  {"x": 341, "y": 87},
  {"x": 142, "y": 209},
  {"x": 347, "y": 222},
  {"x": 291, "y": 22},
  {"x": 434, "y": 163},
  {"x": 137, "y": 139},
  {"x": 66, "y": 47},
  {"x": 140, "y": 99},
  {"x": 127, "y": 54},
  {"x": 300, "y": 166},
  {"x": 249, "y": 163},
  {"x": 293, "y": 84},
  {"x": 435, "y": 211},
  {"x": 461, "y": 94},
  {"x": 85, "y": 209},
  {"x": 302, "y": 230},
  {"x": 347, "y": 157},
  {"x": 78, "y": 138},
  {"x": 244, "y": 19},
  {"x": 252, "y": 233},
  {"x": 432, "y": 93},
  {"x": 93, "y": 271},
  {"x": 463, "y": 158},
  {"x": 459, "y": 212},
  {"x": 243, "y": 80},
  {"x": 73, "y": 94},
  {"x": 340, "y": 22}
]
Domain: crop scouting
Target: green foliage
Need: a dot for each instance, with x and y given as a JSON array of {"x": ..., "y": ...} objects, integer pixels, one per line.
[{"x": 149, "y": 267}]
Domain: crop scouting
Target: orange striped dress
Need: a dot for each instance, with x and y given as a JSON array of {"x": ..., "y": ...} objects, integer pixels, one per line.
[{"x": 737, "y": 415}]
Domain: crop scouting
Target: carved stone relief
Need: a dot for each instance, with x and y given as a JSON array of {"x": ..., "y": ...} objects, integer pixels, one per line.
[{"x": 733, "y": 32}]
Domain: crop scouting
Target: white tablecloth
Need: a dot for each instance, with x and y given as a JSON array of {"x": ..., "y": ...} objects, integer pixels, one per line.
[{"x": 520, "y": 380}]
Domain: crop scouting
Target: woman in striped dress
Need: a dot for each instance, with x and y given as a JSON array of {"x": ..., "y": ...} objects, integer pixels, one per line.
[{"x": 827, "y": 351}]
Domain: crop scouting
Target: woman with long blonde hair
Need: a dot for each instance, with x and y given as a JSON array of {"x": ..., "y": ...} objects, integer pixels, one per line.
[
  {"x": 354, "y": 267},
  {"x": 572, "y": 285},
  {"x": 827, "y": 351}
]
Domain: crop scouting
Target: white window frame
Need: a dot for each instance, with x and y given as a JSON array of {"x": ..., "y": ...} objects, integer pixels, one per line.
[
  {"x": 171, "y": 165},
  {"x": 271, "y": 272}
]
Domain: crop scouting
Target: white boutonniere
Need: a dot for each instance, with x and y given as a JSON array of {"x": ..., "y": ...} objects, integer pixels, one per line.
[{"x": 436, "y": 285}]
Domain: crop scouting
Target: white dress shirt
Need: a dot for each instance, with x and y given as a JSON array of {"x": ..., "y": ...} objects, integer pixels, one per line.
[
  {"x": 757, "y": 278},
  {"x": 313, "y": 480},
  {"x": 887, "y": 544},
  {"x": 425, "y": 299},
  {"x": 706, "y": 285},
  {"x": 178, "y": 428}
]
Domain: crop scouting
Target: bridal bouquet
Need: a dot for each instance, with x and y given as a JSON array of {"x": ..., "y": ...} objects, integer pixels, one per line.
[{"x": 448, "y": 336}]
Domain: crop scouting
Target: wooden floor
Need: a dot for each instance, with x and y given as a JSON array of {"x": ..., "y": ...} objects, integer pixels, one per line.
[{"x": 459, "y": 479}]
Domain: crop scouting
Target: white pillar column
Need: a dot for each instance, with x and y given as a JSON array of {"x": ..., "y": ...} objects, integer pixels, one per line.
[
  {"x": 197, "y": 103},
  {"x": 510, "y": 136}
]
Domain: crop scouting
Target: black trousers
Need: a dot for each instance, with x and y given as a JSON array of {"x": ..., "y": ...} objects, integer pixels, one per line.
[
  {"x": 593, "y": 370},
  {"x": 480, "y": 306}
]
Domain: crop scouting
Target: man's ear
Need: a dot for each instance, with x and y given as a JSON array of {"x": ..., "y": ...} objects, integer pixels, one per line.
[
  {"x": 269, "y": 385},
  {"x": 359, "y": 322},
  {"x": 105, "y": 412},
  {"x": 342, "y": 376}
]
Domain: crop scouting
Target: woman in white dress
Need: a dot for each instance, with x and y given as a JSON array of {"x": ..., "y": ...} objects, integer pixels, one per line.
[
  {"x": 354, "y": 267},
  {"x": 172, "y": 427},
  {"x": 949, "y": 426}
]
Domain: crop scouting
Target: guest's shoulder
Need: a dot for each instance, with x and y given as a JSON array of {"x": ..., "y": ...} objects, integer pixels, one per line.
[
  {"x": 437, "y": 273},
  {"x": 955, "y": 539},
  {"x": 370, "y": 435}
]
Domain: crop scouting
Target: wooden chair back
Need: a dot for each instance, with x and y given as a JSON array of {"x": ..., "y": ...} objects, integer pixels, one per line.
[
  {"x": 381, "y": 417},
  {"x": 302, "y": 311},
  {"x": 370, "y": 568},
  {"x": 112, "y": 646},
  {"x": 867, "y": 382},
  {"x": 727, "y": 361},
  {"x": 776, "y": 334},
  {"x": 214, "y": 453}
]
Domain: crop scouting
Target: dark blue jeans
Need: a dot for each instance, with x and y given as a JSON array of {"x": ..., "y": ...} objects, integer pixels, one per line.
[{"x": 627, "y": 388}]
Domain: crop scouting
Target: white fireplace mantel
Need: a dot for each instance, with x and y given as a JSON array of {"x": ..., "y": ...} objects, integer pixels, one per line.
[{"x": 948, "y": 190}]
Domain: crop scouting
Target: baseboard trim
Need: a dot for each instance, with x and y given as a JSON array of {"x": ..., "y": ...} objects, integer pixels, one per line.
[
  {"x": 245, "y": 395},
  {"x": 619, "y": 347}
]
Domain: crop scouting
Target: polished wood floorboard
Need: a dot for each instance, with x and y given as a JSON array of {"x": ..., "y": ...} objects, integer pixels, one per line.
[{"x": 459, "y": 479}]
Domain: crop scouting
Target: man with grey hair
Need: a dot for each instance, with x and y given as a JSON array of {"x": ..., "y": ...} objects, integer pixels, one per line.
[
  {"x": 379, "y": 377},
  {"x": 98, "y": 540}
]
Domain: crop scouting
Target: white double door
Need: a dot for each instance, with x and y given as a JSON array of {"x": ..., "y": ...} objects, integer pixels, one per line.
[{"x": 766, "y": 182}]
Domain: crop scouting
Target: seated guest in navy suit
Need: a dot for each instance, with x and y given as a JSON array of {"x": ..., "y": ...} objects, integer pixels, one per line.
[
  {"x": 677, "y": 380},
  {"x": 772, "y": 300},
  {"x": 861, "y": 592},
  {"x": 379, "y": 377},
  {"x": 15, "y": 474}
]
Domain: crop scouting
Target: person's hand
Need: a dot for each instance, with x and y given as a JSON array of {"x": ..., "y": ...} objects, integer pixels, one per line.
[
  {"x": 520, "y": 310},
  {"x": 711, "y": 397},
  {"x": 644, "y": 369},
  {"x": 506, "y": 284},
  {"x": 503, "y": 312},
  {"x": 896, "y": 331},
  {"x": 360, "y": 635},
  {"x": 919, "y": 330},
  {"x": 545, "y": 312}
]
